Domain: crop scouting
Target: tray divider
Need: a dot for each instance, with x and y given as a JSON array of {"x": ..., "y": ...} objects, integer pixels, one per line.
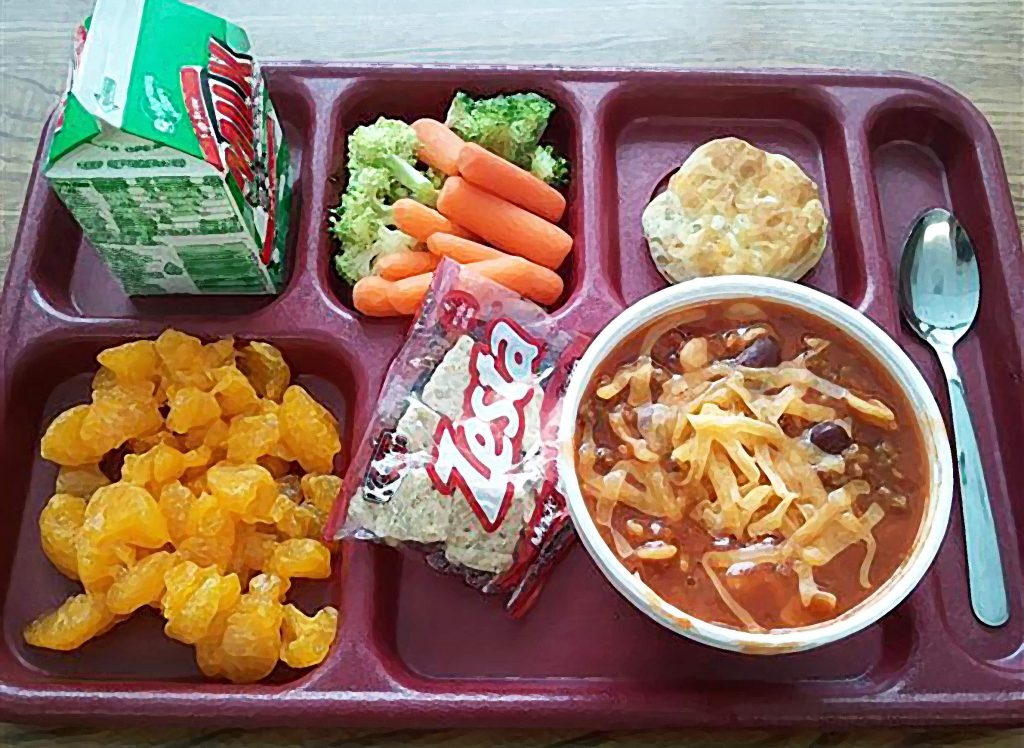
[
  {"x": 594, "y": 182},
  {"x": 308, "y": 293},
  {"x": 879, "y": 298},
  {"x": 356, "y": 662}
]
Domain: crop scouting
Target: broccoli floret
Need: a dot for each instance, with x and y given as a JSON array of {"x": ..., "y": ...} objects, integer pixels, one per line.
[
  {"x": 355, "y": 265},
  {"x": 381, "y": 169},
  {"x": 510, "y": 126},
  {"x": 361, "y": 224},
  {"x": 549, "y": 166},
  {"x": 391, "y": 145},
  {"x": 436, "y": 177}
]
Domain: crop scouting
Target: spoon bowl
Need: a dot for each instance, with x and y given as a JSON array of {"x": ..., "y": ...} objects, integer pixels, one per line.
[{"x": 940, "y": 289}]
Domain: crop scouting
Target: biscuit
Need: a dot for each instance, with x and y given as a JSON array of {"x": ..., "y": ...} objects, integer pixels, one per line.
[{"x": 735, "y": 209}]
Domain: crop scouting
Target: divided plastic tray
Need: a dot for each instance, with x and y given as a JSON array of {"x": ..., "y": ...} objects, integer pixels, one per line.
[{"x": 419, "y": 649}]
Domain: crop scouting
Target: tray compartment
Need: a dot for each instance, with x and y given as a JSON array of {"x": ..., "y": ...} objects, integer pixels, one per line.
[
  {"x": 52, "y": 376},
  {"x": 922, "y": 159},
  {"x": 428, "y": 95},
  {"x": 74, "y": 281},
  {"x": 443, "y": 632},
  {"x": 655, "y": 126}
]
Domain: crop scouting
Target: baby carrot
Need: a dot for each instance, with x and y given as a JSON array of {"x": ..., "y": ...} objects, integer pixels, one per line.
[
  {"x": 439, "y": 146},
  {"x": 503, "y": 224},
  {"x": 398, "y": 265},
  {"x": 406, "y": 295},
  {"x": 461, "y": 250},
  {"x": 522, "y": 276},
  {"x": 503, "y": 178},
  {"x": 378, "y": 297},
  {"x": 420, "y": 221},
  {"x": 370, "y": 296}
]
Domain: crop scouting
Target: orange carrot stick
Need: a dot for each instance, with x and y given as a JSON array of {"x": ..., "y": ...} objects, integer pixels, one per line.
[
  {"x": 503, "y": 224},
  {"x": 461, "y": 250},
  {"x": 439, "y": 146},
  {"x": 370, "y": 296},
  {"x": 398, "y": 265},
  {"x": 522, "y": 276},
  {"x": 406, "y": 295},
  {"x": 419, "y": 221},
  {"x": 493, "y": 173}
]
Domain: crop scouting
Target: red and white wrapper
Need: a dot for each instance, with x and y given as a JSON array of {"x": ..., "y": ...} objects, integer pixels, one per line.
[{"x": 458, "y": 461}]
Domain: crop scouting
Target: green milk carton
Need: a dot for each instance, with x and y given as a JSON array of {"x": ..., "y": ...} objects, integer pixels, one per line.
[{"x": 167, "y": 150}]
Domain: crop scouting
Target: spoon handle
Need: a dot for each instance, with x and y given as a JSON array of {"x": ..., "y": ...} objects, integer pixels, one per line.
[{"x": 984, "y": 567}]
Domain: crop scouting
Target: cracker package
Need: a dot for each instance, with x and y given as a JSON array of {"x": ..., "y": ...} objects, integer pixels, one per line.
[{"x": 458, "y": 461}]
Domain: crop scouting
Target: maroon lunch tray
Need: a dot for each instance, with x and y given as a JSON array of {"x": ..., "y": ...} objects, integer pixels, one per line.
[{"x": 416, "y": 648}]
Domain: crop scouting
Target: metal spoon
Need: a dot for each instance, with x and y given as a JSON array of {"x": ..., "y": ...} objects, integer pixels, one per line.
[{"x": 939, "y": 293}]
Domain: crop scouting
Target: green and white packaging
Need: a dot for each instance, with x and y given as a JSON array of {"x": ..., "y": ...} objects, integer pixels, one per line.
[{"x": 167, "y": 150}]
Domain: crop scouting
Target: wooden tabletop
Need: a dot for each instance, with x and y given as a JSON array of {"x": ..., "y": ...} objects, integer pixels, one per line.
[{"x": 977, "y": 46}]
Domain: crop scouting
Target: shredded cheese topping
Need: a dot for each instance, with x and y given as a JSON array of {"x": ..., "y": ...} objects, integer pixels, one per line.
[{"x": 710, "y": 447}]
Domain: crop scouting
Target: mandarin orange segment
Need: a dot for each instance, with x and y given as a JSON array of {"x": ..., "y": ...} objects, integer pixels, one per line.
[
  {"x": 234, "y": 392},
  {"x": 265, "y": 367},
  {"x": 131, "y": 362},
  {"x": 251, "y": 643},
  {"x": 300, "y": 557},
  {"x": 252, "y": 437},
  {"x": 305, "y": 640},
  {"x": 141, "y": 584},
  {"x": 63, "y": 443},
  {"x": 191, "y": 408},
  {"x": 175, "y": 504},
  {"x": 80, "y": 481},
  {"x": 308, "y": 430},
  {"x": 76, "y": 621},
  {"x": 59, "y": 525},
  {"x": 193, "y": 598},
  {"x": 122, "y": 412},
  {"x": 321, "y": 490}
]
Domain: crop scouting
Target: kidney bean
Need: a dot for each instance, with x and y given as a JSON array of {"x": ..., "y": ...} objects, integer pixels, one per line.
[
  {"x": 760, "y": 354},
  {"x": 829, "y": 436}
]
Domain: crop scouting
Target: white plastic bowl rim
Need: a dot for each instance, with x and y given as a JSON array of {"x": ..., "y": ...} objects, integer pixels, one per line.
[{"x": 936, "y": 443}]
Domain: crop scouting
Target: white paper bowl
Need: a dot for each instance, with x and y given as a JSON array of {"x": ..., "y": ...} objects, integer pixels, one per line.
[{"x": 936, "y": 443}]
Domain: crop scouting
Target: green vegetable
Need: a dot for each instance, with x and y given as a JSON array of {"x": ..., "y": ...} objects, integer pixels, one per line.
[
  {"x": 510, "y": 126},
  {"x": 381, "y": 169},
  {"x": 391, "y": 144},
  {"x": 549, "y": 167}
]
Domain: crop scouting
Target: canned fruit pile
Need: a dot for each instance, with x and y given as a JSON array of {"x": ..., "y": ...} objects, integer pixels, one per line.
[{"x": 197, "y": 482}]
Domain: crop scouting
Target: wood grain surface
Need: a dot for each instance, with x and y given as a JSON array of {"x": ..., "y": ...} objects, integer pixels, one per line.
[{"x": 977, "y": 46}]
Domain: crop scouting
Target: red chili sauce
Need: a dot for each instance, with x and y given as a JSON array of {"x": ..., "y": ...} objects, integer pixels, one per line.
[{"x": 891, "y": 459}]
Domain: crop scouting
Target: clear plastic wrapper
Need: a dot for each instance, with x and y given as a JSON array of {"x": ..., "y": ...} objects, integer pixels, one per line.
[{"x": 458, "y": 461}]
